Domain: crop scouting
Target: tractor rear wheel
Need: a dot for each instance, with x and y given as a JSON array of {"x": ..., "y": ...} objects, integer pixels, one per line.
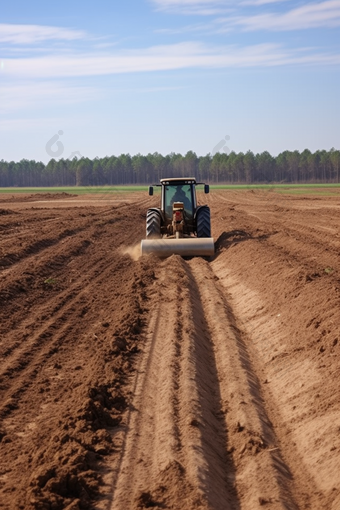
[
  {"x": 153, "y": 224},
  {"x": 203, "y": 222}
]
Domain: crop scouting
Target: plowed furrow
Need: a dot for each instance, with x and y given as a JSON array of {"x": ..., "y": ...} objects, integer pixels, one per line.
[
  {"x": 38, "y": 274},
  {"x": 292, "y": 382},
  {"x": 175, "y": 434},
  {"x": 47, "y": 245},
  {"x": 34, "y": 350},
  {"x": 38, "y": 332},
  {"x": 38, "y": 277},
  {"x": 36, "y": 247},
  {"x": 261, "y": 472},
  {"x": 292, "y": 226}
]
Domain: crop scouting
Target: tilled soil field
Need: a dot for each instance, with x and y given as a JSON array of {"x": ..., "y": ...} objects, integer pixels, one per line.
[{"x": 131, "y": 383}]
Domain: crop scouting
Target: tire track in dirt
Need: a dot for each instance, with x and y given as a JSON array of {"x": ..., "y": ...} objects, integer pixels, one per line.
[
  {"x": 175, "y": 452},
  {"x": 262, "y": 476},
  {"x": 296, "y": 392},
  {"x": 198, "y": 422}
]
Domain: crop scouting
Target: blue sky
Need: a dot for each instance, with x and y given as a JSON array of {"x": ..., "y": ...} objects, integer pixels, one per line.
[{"x": 168, "y": 75}]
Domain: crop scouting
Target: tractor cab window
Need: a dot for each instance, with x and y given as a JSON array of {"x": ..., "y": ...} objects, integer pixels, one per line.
[{"x": 178, "y": 193}]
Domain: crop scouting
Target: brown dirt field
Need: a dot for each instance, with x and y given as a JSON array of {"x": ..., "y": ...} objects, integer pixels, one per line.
[{"x": 130, "y": 383}]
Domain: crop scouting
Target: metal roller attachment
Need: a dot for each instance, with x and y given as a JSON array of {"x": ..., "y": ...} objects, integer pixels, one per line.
[{"x": 191, "y": 247}]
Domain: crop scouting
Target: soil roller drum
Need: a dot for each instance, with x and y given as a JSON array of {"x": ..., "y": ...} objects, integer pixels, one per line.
[{"x": 179, "y": 226}]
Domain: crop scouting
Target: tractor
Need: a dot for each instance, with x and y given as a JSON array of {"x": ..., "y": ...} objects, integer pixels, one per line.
[{"x": 179, "y": 226}]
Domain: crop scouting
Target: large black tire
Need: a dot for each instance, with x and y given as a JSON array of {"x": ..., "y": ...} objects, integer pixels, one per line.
[
  {"x": 203, "y": 222},
  {"x": 153, "y": 224}
]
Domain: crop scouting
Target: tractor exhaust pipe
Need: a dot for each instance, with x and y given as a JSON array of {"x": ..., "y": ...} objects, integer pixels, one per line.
[{"x": 187, "y": 247}]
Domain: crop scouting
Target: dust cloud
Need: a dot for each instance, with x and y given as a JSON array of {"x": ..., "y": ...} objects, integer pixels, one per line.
[{"x": 133, "y": 251}]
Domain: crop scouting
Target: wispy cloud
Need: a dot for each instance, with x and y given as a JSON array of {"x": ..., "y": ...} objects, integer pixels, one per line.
[
  {"x": 207, "y": 7},
  {"x": 261, "y": 2},
  {"x": 32, "y": 34},
  {"x": 311, "y": 15},
  {"x": 198, "y": 7},
  {"x": 169, "y": 4},
  {"x": 161, "y": 58}
]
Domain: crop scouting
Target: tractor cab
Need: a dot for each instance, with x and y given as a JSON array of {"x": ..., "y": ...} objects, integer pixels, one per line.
[{"x": 178, "y": 191}]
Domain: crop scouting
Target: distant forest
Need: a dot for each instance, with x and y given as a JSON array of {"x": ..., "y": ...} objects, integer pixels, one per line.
[{"x": 288, "y": 167}]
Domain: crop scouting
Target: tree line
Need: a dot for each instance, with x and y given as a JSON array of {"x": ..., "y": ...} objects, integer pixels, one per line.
[{"x": 288, "y": 167}]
